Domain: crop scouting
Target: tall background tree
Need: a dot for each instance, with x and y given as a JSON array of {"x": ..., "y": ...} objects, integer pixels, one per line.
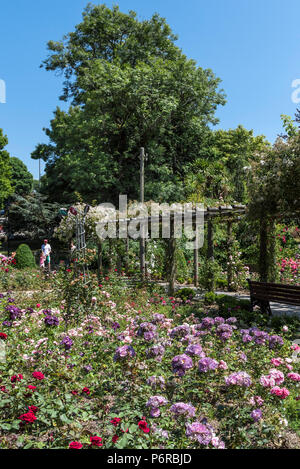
[
  {"x": 21, "y": 178},
  {"x": 130, "y": 86},
  {"x": 5, "y": 170}
]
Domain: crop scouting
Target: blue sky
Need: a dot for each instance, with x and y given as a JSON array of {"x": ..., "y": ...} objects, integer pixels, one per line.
[{"x": 252, "y": 45}]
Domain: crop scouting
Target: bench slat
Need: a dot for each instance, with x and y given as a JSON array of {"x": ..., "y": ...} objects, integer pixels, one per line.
[{"x": 275, "y": 292}]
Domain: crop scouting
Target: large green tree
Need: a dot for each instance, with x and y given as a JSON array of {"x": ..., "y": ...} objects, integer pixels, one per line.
[
  {"x": 130, "y": 86},
  {"x": 32, "y": 215},
  {"x": 222, "y": 167},
  {"x": 5, "y": 170},
  {"x": 22, "y": 179}
]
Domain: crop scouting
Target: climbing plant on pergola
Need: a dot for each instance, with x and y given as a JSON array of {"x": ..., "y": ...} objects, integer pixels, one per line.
[{"x": 274, "y": 189}]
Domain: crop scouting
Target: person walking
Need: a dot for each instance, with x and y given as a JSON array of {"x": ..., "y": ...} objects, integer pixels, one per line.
[{"x": 46, "y": 250}]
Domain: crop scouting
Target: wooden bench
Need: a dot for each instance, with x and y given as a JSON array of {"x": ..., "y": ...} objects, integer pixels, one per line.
[{"x": 262, "y": 293}]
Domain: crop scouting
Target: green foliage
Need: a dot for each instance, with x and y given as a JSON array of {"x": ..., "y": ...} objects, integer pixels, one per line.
[
  {"x": 209, "y": 298},
  {"x": 24, "y": 257},
  {"x": 185, "y": 294},
  {"x": 275, "y": 181},
  {"x": 5, "y": 170},
  {"x": 209, "y": 272},
  {"x": 221, "y": 170},
  {"x": 33, "y": 216},
  {"x": 22, "y": 179}
]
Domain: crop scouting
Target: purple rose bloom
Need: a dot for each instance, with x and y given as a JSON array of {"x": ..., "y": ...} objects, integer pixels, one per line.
[
  {"x": 240, "y": 378},
  {"x": 275, "y": 340},
  {"x": 180, "y": 408},
  {"x": 219, "y": 320},
  {"x": 232, "y": 320},
  {"x": 149, "y": 336},
  {"x": 7, "y": 323},
  {"x": 51, "y": 320},
  {"x": 147, "y": 330},
  {"x": 195, "y": 350},
  {"x": 14, "y": 312},
  {"x": 154, "y": 403},
  {"x": 158, "y": 318},
  {"x": 256, "y": 415},
  {"x": 180, "y": 331},
  {"x": 181, "y": 363},
  {"x": 115, "y": 326},
  {"x": 199, "y": 432},
  {"x": 224, "y": 331},
  {"x": 207, "y": 323},
  {"x": 206, "y": 364},
  {"x": 157, "y": 351},
  {"x": 247, "y": 338},
  {"x": 156, "y": 381},
  {"x": 123, "y": 352},
  {"x": 67, "y": 342}
]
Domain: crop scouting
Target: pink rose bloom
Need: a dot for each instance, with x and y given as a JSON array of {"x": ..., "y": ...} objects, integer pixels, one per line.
[
  {"x": 280, "y": 392},
  {"x": 267, "y": 382},
  {"x": 277, "y": 361},
  {"x": 277, "y": 375},
  {"x": 222, "y": 365},
  {"x": 294, "y": 376}
]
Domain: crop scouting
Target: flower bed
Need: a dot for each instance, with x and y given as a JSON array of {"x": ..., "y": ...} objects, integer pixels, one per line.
[{"x": 133, "y": 371}]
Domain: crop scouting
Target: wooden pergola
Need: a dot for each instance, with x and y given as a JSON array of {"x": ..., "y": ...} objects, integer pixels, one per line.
[{"x": 228, "y": 214}]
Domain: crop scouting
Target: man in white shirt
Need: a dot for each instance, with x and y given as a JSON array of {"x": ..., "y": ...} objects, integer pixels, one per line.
[{"x": 46, "y": 248}]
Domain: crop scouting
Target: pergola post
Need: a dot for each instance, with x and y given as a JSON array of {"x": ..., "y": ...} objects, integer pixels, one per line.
[
  {"x": 210, "y": 240},
  {"x": 142, "y": 253},
  {"x": 99, "y": 259},
  {"x": 229, "y": 255},
  {"x": 196, "y": 260},
  {"x": 210, "y": 255},
  {"x": 172, "y": 259}
]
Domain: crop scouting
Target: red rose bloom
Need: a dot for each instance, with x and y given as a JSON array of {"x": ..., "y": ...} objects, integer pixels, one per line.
[
  {"x": 143, "y": 426},
  {"x": 38, "y": 375},
  {"x": 33, "y": 408},
  {"x": 86, "y": 391},
  {"x": 32, "y": 388},
  {"x": 115, "y": 421},
  {"x": 16, "y": 378},
  {"x": 96, "y": 441},
  {"x": 28, "y": 418},
  {"x": 2, "y": 388},
  {"x": 74, "y": 393},
  {"x": 3, "y": 336},
  {"x": 115, "y": 438},
  {"x": 75, "y": 445}
]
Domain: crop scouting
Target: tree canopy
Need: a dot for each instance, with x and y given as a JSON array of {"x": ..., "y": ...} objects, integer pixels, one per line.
[
  {"x": 21, "y": 178},
  {"x": 5, "y": 170},
  {"x": 275, "y": 178},
  {"x": 130, "y": 86}
]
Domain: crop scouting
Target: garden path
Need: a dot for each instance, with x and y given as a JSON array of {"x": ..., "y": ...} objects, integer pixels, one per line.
[{"x": 278, "y": 309}]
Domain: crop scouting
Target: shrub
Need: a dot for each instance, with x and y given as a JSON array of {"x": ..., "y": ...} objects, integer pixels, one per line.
[
  {"x": 185, "y": 294},
  {"x": 24, "y": 257},
  {"x": 209, "y": 298}
]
